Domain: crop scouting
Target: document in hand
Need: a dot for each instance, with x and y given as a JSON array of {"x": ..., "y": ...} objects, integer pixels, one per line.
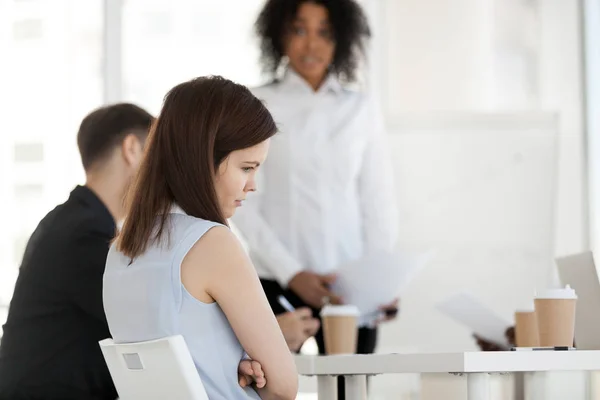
[
  {"x": 377, "y": 279},
  {"x": 482, "y": 321}
]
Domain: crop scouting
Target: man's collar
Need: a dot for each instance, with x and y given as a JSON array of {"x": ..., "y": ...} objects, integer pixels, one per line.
[{"x": 88, "y": 196}]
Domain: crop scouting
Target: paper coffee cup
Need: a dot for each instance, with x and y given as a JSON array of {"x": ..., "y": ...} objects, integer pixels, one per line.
[
  {"x": 526, "y": 327},
  {"x": 555, "y": 315},
  {"x": 340, "y": 330}
]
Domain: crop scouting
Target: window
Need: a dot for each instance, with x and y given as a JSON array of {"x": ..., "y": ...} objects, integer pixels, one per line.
[
  {"x": 51, "y": 77},
  {"x": 19, "y": 247},
  {"x": 28, "y": 29},
  {"x": 28, "y": 152},
  {"x": 165, "y": 45}
]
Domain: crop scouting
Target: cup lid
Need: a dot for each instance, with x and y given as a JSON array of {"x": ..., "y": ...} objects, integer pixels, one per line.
[
  {"x": 345, "y": 310},
  {"x": 561, "y": 293}
]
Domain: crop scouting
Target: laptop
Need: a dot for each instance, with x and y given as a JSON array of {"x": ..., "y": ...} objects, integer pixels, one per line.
[{"x": 580, "y": 272}]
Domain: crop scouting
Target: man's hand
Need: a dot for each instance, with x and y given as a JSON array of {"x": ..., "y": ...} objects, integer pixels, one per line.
[
  {"x": 297, "y": 326},
  {"x": 486, "y": 345},
  {"x": 249, "y": 372},
  {"x": 510, "y": 336},
  {"x": 313, "y": 288}
]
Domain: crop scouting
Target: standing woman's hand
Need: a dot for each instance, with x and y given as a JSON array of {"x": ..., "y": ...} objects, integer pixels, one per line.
[{"x": 313, "y": 288}]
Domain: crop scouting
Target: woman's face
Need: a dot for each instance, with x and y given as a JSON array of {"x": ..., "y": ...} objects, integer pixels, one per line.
[
  {"x": 236, "y": 176},
  {"x": 309, "y": 44}
]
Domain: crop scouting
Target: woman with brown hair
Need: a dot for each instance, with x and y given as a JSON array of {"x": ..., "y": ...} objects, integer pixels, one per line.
[{"x": 176, "y": 268}]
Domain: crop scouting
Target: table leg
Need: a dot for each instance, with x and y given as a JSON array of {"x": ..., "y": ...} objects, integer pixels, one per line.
[
  {"x": 519, "y": 385},
  {"x": 478, "y": 386},
  {"x": 356, "y": 387},
  {"x": 327, "y": 387}
]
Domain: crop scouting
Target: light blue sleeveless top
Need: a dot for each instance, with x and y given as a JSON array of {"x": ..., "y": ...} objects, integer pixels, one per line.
[{"x": 146, "y": 300}]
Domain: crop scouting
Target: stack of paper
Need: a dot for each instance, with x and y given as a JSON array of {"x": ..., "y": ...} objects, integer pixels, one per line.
[
  {"x": 377, "y": 279},
  {"x": 482, "y": 321}
]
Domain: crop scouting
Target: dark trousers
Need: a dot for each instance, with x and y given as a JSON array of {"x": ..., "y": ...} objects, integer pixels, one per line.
[{"x": 367, "y": 337}]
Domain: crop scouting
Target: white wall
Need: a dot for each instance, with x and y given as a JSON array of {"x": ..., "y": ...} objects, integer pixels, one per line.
[
  {"x": 462, "y": 55},
  {"x": 561, "y": 90},
  {"x": 449, "y": 55},
  {"x": 592, "y": 87},
  {"x": 438, "y": 55},
  {"x": 480, "y": 189},
  {"x": 467, "y": 57}
]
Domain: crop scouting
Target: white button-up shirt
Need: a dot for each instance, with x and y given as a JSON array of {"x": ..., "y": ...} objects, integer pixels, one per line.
[{"x": 325, "y": 193}]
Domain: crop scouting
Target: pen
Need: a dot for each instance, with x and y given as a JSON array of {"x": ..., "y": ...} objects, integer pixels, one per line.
[
  {"x": 285, "y": 304},
  {"x": 555, "y": 348},
  {"x": 390, "y": 313}
]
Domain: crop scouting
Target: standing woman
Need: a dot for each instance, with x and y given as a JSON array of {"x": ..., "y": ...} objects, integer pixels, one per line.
[{"x": 327, "y": 193}]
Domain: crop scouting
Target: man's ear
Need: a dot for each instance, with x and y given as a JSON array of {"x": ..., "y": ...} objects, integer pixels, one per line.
[{"x": 131, "y": 149}]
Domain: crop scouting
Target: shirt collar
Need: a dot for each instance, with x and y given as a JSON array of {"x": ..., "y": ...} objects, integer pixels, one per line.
[
  {"x": 291, "y": 79},
  {"x": 175, "y": 209},
  {"x": 87, "y": 196}
]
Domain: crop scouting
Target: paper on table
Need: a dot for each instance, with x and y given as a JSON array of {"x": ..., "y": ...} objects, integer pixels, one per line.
[
  {"x": 469, "y": 311},
  {"x": 377, "y": 279}
]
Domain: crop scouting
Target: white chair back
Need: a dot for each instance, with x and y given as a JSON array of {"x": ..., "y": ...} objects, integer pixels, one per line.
[{"x": 158, "y": 369}]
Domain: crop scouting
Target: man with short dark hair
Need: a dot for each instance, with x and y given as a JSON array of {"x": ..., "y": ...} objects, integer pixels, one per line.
[{"x": 50, "y": 345}]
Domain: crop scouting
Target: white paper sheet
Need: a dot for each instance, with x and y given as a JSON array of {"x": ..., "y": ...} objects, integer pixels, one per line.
[
  {"x": 377, "y": 279},
  {"x": 481, "y": 320}
]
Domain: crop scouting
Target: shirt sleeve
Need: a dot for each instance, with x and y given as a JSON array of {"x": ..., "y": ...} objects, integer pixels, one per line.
[
  {"x": 87, "y": 263},
  {"x": 376, "y": 185},
  {"x": 262, "y": 243}
]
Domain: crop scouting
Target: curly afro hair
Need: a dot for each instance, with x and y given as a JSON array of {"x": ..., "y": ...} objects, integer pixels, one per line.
[{"x": 348, "y": 21}]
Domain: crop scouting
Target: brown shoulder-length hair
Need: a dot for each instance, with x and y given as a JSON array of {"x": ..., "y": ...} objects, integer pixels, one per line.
[{"x": 201, "y": 122}]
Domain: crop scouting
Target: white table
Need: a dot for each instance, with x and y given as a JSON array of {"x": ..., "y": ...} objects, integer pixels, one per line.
[{"x": 476, "y": 365}]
